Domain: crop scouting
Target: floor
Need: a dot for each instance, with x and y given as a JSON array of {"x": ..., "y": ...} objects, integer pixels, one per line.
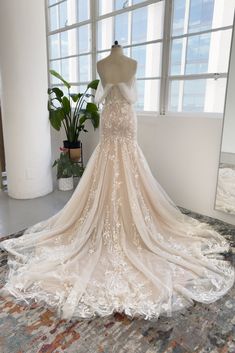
[{"x": 16, "y": 215}]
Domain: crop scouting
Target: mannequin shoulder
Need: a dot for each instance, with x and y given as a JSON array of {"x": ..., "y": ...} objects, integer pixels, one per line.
[
  {"x": 132, "y": 63},
  {"x": 101, "y": 62}
]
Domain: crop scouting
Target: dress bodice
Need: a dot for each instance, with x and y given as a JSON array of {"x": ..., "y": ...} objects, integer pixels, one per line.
[{"x": 127, "y": 89}]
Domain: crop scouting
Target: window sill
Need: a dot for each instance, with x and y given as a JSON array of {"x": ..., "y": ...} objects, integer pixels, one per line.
[{"x": 151, "y": 114}]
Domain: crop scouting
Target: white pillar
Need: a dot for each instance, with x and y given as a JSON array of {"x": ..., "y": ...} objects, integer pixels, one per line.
[{"x": 23, "y": 92}]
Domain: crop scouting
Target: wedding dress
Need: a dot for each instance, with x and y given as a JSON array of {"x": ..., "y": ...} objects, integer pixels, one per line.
[
  {"x": 120, "y": 244},
  {"x": 225, "y": 198}
]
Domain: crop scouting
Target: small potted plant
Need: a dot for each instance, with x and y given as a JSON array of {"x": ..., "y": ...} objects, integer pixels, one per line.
[
  {"x": 66, "y": 170},
  {"x": 62, "y": 113}
]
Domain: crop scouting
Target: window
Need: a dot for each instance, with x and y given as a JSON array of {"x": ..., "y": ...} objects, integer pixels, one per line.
[
  {"x": 182, "y": 47},
  {"x": 199, "y": 55}
]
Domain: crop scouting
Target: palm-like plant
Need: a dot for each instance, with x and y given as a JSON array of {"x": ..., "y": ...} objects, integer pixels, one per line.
[{"x": 61, "y": 112}]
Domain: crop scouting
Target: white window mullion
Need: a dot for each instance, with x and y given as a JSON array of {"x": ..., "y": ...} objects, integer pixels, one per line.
[
  {"x": 93, "y": 16},
  {"x": 165, "y": 57},
  {"x": 184, "y": 55}
]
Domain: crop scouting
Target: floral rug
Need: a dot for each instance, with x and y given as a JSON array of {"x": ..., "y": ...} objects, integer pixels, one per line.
[{"x": 200, "y": 328}]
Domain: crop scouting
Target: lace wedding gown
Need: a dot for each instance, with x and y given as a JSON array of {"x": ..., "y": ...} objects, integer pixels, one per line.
[{"x": 120, "y": 244}]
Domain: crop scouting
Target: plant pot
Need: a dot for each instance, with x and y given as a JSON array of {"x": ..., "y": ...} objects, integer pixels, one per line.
[
  {"x": 74, "y": 149},
  {"x": 65, "y": 184}
]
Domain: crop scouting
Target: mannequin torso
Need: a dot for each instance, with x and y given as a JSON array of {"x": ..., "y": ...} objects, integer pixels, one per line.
[{"x": 116, "y": 67}]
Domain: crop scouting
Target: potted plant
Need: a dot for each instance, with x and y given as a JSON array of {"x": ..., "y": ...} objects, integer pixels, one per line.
[
  {"x": 66, "y": 170},
  {"x": 61, "y": 113}
]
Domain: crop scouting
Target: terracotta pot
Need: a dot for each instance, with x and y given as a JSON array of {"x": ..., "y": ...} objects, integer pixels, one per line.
[
  {"x": 75, "y": 154},
  {"x": 74, "y": 149}
]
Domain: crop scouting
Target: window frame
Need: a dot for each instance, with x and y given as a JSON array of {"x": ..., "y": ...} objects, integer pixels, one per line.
[{"x": 166, "y": 41}]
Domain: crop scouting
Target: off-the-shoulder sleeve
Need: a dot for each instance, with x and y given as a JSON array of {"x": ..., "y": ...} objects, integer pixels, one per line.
[
  {"x": 129, "y": 91},
  {"x": 99, "y": 94}
]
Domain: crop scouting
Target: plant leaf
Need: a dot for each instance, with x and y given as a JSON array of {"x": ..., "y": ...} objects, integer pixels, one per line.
[
  {"x": 55, "y": 117},
  {"x": 75, "y": 96},
  {"x": 82, "y": 119},
  {"x": 57, "y": 75},
  {"x": 95, "y": 119},
  {"x": 93, "y": 84},
  {"x": 59, "y": 94},
  {"x": 91, "y": 107},
  {"x": 66, "y": 104}
]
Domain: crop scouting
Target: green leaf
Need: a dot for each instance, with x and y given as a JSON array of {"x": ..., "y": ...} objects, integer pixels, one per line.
[
  {"x": 66, "y": 105},
  {"x": 59, "y": 94},
  {"x": 91, "y": 107},
  {"x": 76, "y": 96},
  {"x": 55, "y": 117},
  {"x": 82, "y": 119},
  {"x": 93, "y": 84},
  {"x": 95, "y": 119},
  {"x": 57, "y": 75}
]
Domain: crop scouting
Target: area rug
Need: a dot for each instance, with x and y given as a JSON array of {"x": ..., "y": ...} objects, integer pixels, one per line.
[{"x": 200, "y": 328}]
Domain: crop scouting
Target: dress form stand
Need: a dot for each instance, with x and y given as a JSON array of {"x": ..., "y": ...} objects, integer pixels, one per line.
[{"x": 116, "y": 67}]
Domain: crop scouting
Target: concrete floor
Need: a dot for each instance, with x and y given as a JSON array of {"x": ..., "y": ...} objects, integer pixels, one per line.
[{"x": 16, "y": 215}]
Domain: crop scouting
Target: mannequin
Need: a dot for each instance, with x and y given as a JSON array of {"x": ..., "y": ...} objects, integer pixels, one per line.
[{"x": 116, "y": 67}]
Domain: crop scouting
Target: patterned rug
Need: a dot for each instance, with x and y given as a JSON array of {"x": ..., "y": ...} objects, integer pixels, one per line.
[{"x": 201, "y": 328}]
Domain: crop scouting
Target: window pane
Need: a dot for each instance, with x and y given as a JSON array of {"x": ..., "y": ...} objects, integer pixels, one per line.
[
  {"x": 54, "y": 65},
  {"x": 149, "y": 59},
  {"x": 139, "y": 25},
  {"x": 121, "y": 4},
  {"x": 223, "y": 13},
  {"x": 53, "y": 18},
  {"x": 137, "y": 1},
  {"x": 105, "y": 33},
  {"x": 69, "y": 42},
  {"x": 148, "y": 95},
  {"x": 207, "y": 14},
  {"x": 84, "y": 68},
  {"x": 83, "y": 10},
  {"x": 177, "y": 60},
  {"x": 51, "y": 2},
  {"x": 219, "y": 51},
  {"x": 202, "y": 95},
  {"x": 121, "y": 29},
  {"x": 54, "y": 46},
  {"x": 147, "y": 23},
  {"x": 63, "y": 14},
  {"x": 200, "y": 15},
  {"x": 102, "y": 55},
  {"x": 178, "y": 22},
  {"x": 205, "y": 53},
  {"x": 84, "y": 39},
  {"x": 198, "y": 54},
  {"x": 194, "y": 96},
  {"x": 105, "y": 6},
  {"x": 174, "y": 96},
  {"x": 69, "y": 69},
  {"x": 208, "y": 53}
]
